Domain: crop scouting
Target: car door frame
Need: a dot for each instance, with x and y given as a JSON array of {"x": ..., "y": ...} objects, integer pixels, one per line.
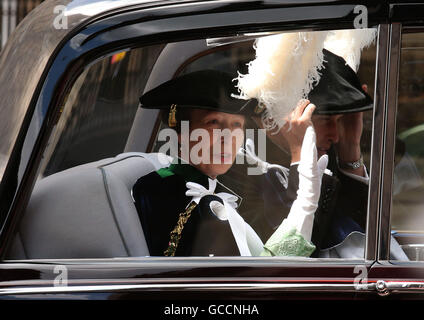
[
  {"x": 397, "y": 279},
  {"x": 242, "y": 277}
]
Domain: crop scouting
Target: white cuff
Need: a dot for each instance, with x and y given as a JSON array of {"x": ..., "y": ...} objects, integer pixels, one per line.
[{"x": 365, "y": 179}]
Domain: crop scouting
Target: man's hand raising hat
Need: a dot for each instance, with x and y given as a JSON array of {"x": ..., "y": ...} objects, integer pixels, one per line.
[{"x": 289, "y": 65}]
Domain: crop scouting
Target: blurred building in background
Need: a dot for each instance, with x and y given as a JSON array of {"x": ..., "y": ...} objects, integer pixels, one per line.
[{"x": 12, "y": 12}]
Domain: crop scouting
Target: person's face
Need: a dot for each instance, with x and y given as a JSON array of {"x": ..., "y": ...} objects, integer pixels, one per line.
[
  {"x": 327, "y": 132},
  {"x": 215, "y": 152}
]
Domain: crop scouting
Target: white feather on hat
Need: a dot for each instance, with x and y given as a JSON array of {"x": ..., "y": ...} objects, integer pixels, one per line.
[
  {"x": 287, "y": 66},
  {"x": 348, "y": 44}
]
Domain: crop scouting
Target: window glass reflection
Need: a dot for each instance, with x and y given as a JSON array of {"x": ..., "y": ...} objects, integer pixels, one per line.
[
  {"x": 131, "y": 168},
  {"x": 407, "y": 219}
]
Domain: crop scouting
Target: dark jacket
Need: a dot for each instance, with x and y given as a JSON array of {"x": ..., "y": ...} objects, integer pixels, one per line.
[
  {"x": 266, "y": 203},
  {"x": 160, "y": 198}
]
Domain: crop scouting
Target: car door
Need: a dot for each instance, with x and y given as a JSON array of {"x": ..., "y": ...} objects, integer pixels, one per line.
[
  {"x": 92, "y": 50},
  {"x": 401, "y": 210}
]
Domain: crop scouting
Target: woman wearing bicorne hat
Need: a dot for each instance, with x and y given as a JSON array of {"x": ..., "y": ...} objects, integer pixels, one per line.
[{"x": 184, "y": 209}]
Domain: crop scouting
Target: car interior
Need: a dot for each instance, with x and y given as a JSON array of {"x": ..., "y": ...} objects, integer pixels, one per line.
[{"x": 81, "y": 205}]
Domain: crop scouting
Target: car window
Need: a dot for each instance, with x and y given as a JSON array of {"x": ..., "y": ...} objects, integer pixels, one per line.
[
  {"x": 406, "y": 222},
  {"x": 99, "y": 110},
  {"x": 110, "y": 183}
]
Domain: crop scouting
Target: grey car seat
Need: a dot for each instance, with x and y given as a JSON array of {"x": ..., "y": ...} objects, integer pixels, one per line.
[{"x": 86, "y": 211}]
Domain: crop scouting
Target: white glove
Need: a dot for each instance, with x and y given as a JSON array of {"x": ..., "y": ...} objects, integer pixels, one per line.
[{"x": 311, "y": 170}]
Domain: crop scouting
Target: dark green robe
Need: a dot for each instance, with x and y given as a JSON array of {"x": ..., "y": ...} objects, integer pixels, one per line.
[{"x": 160, "y": 198}]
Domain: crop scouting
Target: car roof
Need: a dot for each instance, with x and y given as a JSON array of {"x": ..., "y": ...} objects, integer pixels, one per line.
[{"x": 30, "y": 47}]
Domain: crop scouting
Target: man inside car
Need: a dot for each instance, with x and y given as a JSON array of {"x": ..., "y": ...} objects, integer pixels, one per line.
[
  {"x": 183, "y": 208},
  {"x": 340, "y": 101}
]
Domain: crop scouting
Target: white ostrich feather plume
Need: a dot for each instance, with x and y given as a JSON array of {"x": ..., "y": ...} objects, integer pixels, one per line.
[
  {"x": 348, "y": 44},
  {"x": 287, "y": 65},
  {"x": 283, "y": 72}
]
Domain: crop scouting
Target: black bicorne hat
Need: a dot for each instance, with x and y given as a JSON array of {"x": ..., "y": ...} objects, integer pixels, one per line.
[
  {"x": 339, "y": 89},
  {"x": 206, "y": 89}
]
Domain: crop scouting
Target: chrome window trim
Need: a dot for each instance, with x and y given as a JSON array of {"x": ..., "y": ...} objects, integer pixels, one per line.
[
  {"x": 286, "y": 287},
  {"x": 178, "y": 262},
  {"x": 384, "y": 225},
  {"x": 375, "y": 186},
  {"x": 381, "y": 287}
]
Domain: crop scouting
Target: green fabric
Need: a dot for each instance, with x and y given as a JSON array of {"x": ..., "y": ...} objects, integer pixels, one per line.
[
  {"x": 287, "y": 243},
  {"x": 187, "y": 171},
  {"x": 165, "y": 172}
]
